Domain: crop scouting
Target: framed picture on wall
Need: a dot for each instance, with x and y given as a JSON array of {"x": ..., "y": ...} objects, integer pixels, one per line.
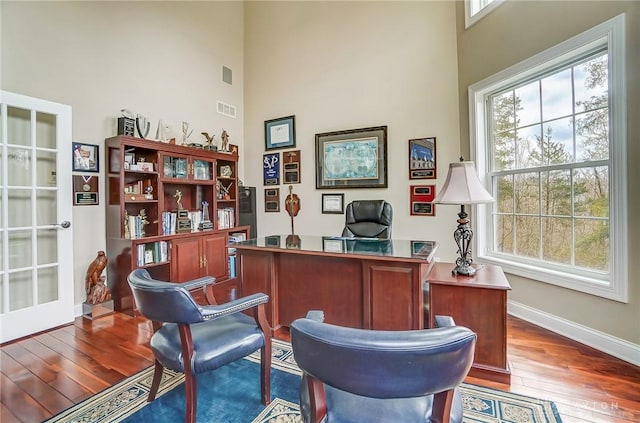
[
  {"x": 421, "y": 197},
  {"x": 280, "y": 133},
  {"x": 422, "y": 158},
  {"x": 332, "y": 203},
  {"x": 355, "y": 158},
  {"x": 85, "y": 157}
]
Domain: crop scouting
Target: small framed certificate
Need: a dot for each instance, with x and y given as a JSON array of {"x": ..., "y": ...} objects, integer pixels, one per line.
[
  {"x": 332, "y": 203},
  {"x": 280, "y": 133}
]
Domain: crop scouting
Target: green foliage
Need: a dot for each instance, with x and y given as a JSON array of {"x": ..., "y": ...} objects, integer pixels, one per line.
[{"x": 546, "y": 205}]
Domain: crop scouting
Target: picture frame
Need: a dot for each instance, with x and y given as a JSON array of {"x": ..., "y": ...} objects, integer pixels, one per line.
[
  {"x": 422, "y": 158},
  {"x": 85, "y": 157},
  {"x": 272, "y": 200},
  {"x": 421, "y": 200},
  {"x": 291, "y": 167},
  {"x": 114, "y": 160},
  {"x": 423, "y": 248},
  {"x": 355, "y": 158},
  {"x": 333, "y": 245},
  {"x": 332, "y": 203},
  {"x": 86, "y": 190},
  {"x": 129, "y": 159},
  {"x": 271, "y": 169},
  {"x": 280, "y": 133}
]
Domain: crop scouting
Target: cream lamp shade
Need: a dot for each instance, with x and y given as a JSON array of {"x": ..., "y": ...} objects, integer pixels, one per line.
[{"x": 462, "y": 186}]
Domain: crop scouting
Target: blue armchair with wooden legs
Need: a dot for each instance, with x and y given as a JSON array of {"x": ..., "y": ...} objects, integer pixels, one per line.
[
  {"x": 194, "y": 339},
  {"x": 360, "y": 375}
]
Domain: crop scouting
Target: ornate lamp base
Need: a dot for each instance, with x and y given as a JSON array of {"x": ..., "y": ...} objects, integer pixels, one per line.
[
  {"x": 464, "y": 270},
  {"x": 463, "y": 235}
]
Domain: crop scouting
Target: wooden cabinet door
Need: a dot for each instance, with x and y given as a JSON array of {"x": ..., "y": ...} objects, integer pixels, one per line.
[
  {"x": 214, "y": 249},
  {"x": 186, "y": 259}
]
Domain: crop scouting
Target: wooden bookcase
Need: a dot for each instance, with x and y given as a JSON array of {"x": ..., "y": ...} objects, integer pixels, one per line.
[{"x": 147, "y": 183}]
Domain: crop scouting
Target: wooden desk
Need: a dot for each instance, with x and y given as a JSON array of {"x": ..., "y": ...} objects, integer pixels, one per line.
[
  {"x": 369, "y": 284},
  {"x": 478, "y": 302},
  {"x": 377, "y": 286}
]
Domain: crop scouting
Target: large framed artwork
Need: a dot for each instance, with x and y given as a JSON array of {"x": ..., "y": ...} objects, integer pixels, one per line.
[
  {"x": 355, "y": 158},
  {"x": 422, "y": 158}
]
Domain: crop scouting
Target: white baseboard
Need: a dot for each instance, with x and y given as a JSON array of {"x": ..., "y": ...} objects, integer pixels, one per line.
[{"x": 601, "y": 341}]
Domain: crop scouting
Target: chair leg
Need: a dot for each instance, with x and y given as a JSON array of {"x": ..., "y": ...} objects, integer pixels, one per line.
[
  {"x": 441, "y": 409},
  {"x": 265, "y": 371},
  {"x": 191, "y": 397},
  {"x": 155, "y": 384}
]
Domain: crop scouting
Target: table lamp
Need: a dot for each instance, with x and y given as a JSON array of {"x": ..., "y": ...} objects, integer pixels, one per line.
[{"x": 463, "y": 187}]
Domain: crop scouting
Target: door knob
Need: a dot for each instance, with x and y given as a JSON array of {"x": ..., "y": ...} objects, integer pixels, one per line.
[{"x": 64, "y": 225}]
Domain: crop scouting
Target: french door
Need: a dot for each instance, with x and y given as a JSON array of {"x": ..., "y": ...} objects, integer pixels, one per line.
[{"x": 36, "y": 280}]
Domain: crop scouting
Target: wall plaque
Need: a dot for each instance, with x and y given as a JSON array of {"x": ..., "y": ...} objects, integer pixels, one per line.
[
  {"x": 291, "y": 167},
  {"x": 422, "y": 200},
  {"x": 85, "y": 190},
  {"x": 272, "y": 200},
  {"x": 271, "y": 169}
]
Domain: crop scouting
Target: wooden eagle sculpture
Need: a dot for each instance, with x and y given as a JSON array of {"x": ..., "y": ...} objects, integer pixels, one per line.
[{"x": 95, "y": 287}]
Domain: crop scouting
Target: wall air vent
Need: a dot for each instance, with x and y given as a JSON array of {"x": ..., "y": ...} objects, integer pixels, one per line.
[{"x": 226, "y": 109}]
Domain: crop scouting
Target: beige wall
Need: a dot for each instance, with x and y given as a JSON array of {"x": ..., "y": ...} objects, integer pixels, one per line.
[
  {"x": 349, "y": 65},
  {"x": 163, "y": 60},
  {"x": 515, "y": 31}
]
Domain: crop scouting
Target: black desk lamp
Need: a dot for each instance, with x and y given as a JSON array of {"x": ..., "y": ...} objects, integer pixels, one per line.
[{"x": 463, "y": 187}]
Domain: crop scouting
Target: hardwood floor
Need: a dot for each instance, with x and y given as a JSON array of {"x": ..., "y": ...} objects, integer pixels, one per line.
[{"x": 46, "y": 373}]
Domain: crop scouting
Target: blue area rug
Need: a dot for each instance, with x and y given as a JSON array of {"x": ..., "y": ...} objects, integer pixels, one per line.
[{"x": 232, "y": 394}]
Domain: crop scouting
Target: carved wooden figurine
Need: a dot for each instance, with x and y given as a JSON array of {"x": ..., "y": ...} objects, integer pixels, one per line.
[{"x": 97, "y": 290}]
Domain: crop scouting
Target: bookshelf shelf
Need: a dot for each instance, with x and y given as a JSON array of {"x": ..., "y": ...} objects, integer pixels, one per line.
[{"x": 157, "y": 183}]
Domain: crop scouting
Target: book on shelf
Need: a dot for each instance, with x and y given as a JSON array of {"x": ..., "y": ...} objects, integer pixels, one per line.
[
  {"x": 237, "y": 237},
  {"x": 169, "y": 223},
  {"x": 226, "y": 218},
  {"x": 153, "y": 252},
  {"x": 232, "y": 266}
]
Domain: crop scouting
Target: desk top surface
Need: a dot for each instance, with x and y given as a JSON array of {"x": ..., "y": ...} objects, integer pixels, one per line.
[{"x": 413, "y": 250}]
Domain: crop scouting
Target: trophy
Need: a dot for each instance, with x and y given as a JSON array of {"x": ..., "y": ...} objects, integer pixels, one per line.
[
  {"x": 185, "y": 132},
  {"x": 183, "y": 222},
  {"x": 127, "y": 123},
  {"x": 143, "y": 126},
  {"x": 225, "y": 141},
  {"x": 205, "y": 224}
]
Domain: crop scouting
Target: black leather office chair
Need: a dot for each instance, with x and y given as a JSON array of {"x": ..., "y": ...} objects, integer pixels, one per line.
[
  {"x": 194, "y": 339},
  {"x": 363, "y": 375},
  {"x": 368, "y": 219}
]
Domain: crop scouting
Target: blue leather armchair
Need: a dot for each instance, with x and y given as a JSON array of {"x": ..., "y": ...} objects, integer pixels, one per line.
[
  {"x": 194, "y": 339},
  {"x": 359, "y": 375},
  {"x": 368, "y": 219}
]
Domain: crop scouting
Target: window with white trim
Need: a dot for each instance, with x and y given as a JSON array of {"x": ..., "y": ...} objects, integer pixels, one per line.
[
  {"x": 549, "y": 137},
  {"x": 474, "y": 10}
]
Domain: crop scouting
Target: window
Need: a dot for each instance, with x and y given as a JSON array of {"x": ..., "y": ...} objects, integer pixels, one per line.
[
  {"x": 549, "y": 139},
  {"x": 474, "y": 10}
]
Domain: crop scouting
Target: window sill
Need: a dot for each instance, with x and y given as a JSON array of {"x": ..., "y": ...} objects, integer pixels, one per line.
[{"x": 574, "y": 281}]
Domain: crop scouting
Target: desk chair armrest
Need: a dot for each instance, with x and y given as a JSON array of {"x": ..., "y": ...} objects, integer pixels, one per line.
[
  {"x": 211, "y": 312},
  {"x": 444, "y": 321},
  {"x": 198, "y": 283},
  {"x": 317, "y": 315}
]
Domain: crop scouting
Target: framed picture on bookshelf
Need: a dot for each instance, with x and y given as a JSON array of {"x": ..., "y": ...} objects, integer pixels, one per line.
[
  {"x": 114, "y": 160},
  {"x": 201, "y": 170}
]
